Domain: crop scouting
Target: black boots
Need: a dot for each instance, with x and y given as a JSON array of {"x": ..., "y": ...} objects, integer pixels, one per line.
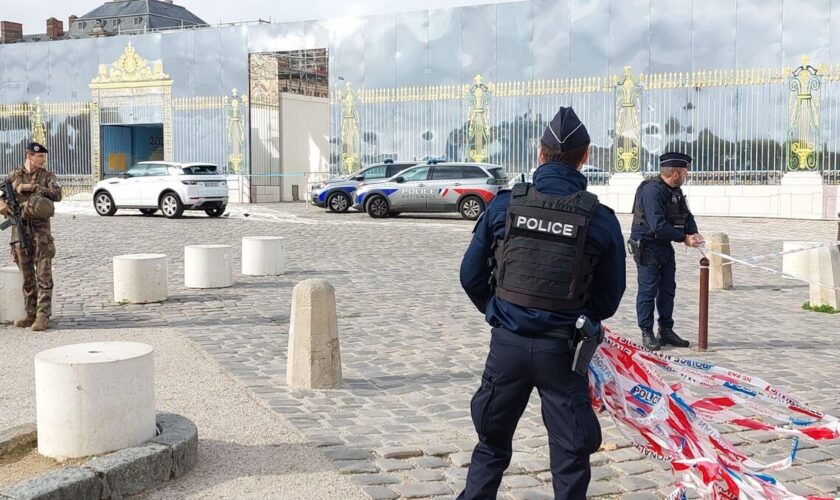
[
  {"x": 668, "y": 337},
  {"x": 649, "y": 341}
]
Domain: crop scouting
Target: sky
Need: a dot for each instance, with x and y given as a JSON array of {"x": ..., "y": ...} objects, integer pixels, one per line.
[{"x": 34, "y": 13}]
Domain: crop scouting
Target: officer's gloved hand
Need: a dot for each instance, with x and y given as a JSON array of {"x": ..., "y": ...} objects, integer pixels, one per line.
[{"x": 28, "y": 188}]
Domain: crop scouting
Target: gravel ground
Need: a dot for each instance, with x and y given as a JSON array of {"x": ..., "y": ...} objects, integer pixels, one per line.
[{"x": 245, "y": 450}]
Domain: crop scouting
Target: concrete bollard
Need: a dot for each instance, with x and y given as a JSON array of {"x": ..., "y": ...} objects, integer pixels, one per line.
[
  {"x": 263, "y": 255},
  {"x": 797, "y": 264},
  {"x": 94, "y": 398},
  {"x": 314, "y": 358},
  {"x": 825, "y": 269},
  {"x": 12, "y": 306},
  {"x": 140, "y": 278},
  {"x": 720, "y": 267},
  {"x": 208, "y": 266}
]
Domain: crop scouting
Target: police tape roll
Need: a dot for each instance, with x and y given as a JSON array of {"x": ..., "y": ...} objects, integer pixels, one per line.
[{"x": 668, "y": 422}]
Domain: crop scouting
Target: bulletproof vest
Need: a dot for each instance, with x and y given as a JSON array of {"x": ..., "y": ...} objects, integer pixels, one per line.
[
  {"x": 540, "y": 263},
  {"x": 676, "y": 208}
]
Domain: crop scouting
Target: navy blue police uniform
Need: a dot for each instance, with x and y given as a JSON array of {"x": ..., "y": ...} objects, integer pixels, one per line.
[
  {"x": 660, "y": 217},
  {"x": 564, "y": 231}
]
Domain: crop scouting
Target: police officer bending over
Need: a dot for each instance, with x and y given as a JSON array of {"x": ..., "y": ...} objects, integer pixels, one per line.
[
  {"x": 660, "y": 216},
  {"x": 542, "y": 255}
]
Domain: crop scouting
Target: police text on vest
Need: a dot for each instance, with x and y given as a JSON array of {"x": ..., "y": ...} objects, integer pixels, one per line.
[{"x": 544, "y": 226}]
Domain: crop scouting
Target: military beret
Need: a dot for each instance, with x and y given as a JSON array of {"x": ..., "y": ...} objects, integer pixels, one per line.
[
  {"x": 34, "y": 147},
  {"x": 565, "y": 132},
  {"x": 675, "y": 160}
]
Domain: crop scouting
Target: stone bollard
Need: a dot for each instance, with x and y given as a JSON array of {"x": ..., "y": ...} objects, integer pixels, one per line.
[
  {"x": 797, "y": 264},
  {"x": 208, "y": 266},
  {"x": 720, "y": 267},
  {"x": 94, "y": 398},
  {"x": 314, "y": 359},
  {"x": 140, "y": 278},
  {"x": 263, "y": 255},
  {"x": 825, "y": 269},
  {"x": 12, "y": 306}
]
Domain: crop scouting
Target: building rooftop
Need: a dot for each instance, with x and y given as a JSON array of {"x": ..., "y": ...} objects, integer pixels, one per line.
[{"x": 161, "y": 13}]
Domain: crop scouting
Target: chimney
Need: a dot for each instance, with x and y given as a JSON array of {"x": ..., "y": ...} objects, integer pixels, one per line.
[
  {"x": 55, "y": 28},
  {"x": 10, "y": 32}
]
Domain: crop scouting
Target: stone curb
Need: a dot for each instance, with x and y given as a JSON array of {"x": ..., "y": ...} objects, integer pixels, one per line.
[
  {"x": 20, "y": 437},
  {"x": 169, "y": 455}
]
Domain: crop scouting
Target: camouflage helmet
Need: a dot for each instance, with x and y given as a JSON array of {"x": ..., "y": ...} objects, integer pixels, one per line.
[{"x": 40, "y": 207}]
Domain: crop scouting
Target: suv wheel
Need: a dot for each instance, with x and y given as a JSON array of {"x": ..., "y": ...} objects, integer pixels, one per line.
[
  {"x": 215, "y": 211},
  {"x": 171, "y": 206},
  {"x": 338, "y": 202},
  {"x": 104, "y": 204},
  {"x": 471, "y": 207},
  {"x": 377, "y": 207}
]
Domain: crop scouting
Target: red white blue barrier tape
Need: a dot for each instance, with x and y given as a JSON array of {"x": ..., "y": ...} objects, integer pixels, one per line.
[{"x": 669, "y": 422}]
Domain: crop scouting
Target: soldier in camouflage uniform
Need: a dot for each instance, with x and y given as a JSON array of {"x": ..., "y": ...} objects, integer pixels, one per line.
[{"x": 36, "y": 189}]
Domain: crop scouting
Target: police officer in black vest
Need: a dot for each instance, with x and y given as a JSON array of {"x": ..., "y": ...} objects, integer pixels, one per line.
[
  {"x": 542, "y": 255},
  {"x": 660, "y": 216}
]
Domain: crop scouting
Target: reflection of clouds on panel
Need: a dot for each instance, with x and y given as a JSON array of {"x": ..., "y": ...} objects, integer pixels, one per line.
[
  {"x": 762, "y": 20},
  {"x": 343, "y": 27},
  {"x": 670, "y": 36},
  {"x": 380, "y": 40},
  {"x": 805, "y": 30},
  {"x": 581, "y": 9},
  {"x": 629, "y": 31},
  {"x": 444, "y": 46},
  {"x": 412, "y": 49},
  {"x": 589, "y": 46},
  {"x": 552, "y": 38},
  {"x": 514, "y": 29},
  {"x": 713, "y": 38}
]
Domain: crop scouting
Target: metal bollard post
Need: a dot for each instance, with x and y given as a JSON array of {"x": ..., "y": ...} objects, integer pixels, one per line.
[{"x": 703, "y": 323}]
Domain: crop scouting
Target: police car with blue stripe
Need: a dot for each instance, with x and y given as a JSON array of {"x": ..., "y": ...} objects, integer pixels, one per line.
[
  {"x": 337, "y": 194},
  {"x": 465, "y": 188}
]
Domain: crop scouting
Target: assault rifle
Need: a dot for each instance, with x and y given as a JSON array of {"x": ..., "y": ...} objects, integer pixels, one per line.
[{"x": 15, "y": 217}]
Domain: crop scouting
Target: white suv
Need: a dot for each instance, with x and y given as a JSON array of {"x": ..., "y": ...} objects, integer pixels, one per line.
[{"x": 168, "y": 186}]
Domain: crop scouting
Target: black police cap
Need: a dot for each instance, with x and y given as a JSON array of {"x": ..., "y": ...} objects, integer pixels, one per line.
[
  {"x": 565, "y": 132},
  {"x": 34, "y": 147},
  {"x": 675, "y": 160}
]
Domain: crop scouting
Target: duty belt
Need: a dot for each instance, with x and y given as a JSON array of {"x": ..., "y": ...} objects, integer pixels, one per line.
[{"x": 562, "y": 333}]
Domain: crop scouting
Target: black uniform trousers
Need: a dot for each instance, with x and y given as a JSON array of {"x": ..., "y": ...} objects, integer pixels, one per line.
[
  {"x": 515, "y": 365},
  {"x": 657, "y": 286}
]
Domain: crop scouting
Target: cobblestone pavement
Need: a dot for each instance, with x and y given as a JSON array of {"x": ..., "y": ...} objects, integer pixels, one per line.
[{"x": 413, "y": 346}]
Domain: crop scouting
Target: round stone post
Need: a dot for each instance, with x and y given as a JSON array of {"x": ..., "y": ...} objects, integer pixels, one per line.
[
  {"x": 94, "y": 398},
  {"x": 208, "y": 266},
  {"x": 11, "y": 294},
  {"x": 721, "y": 267},
  {"x": 140, "y": 278},
  {"x": 314, "y": 360},
  {"x": 263, "y": 255}
]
